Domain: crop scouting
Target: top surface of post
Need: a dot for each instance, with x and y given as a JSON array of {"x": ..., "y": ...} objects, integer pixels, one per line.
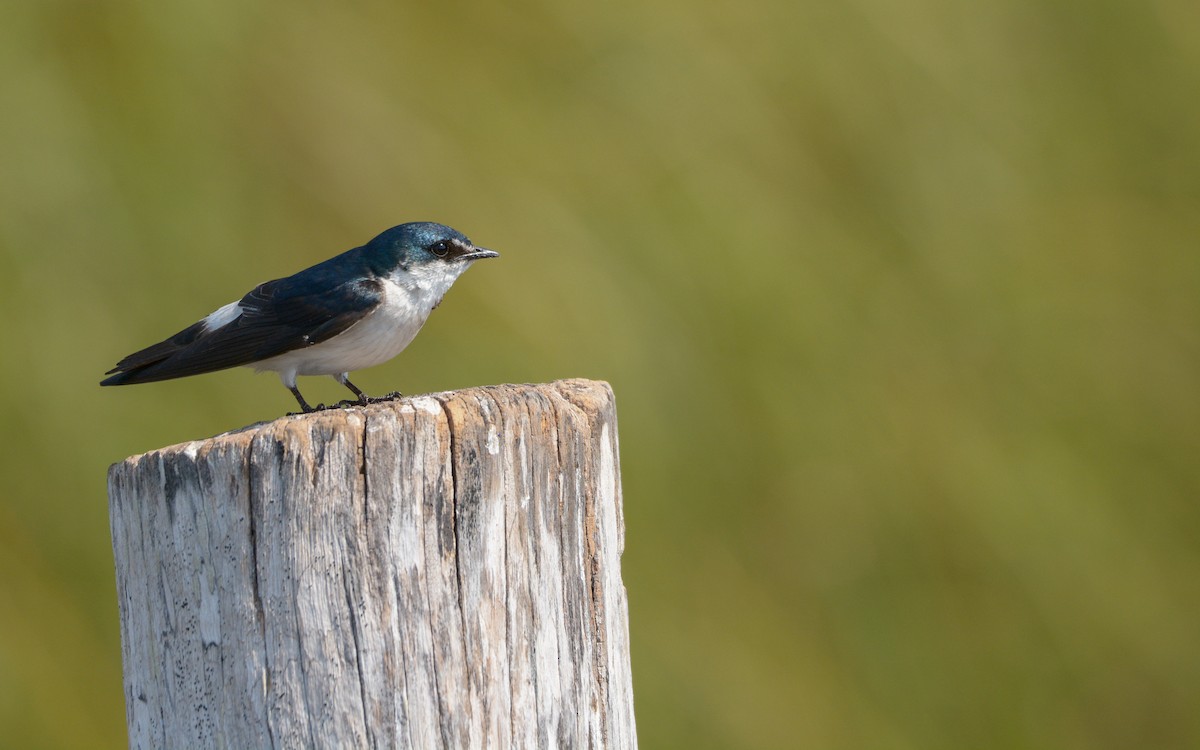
[{"x": 591, "y": 396}]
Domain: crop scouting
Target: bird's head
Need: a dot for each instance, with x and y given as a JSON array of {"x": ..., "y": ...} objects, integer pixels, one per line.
[{"x": 429, "y": 253}]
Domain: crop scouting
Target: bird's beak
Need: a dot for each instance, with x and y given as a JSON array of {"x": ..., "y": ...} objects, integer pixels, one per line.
[{"x": 479, "y": 252}]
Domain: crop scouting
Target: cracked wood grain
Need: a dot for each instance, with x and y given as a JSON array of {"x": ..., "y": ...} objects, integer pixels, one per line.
[{"x": 438, "y": 572}]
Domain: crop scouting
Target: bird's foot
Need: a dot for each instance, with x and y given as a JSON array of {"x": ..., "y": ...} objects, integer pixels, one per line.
[
  {"x": 349, "y": 402},
  {"x": 310, "y": 410},
  {"x": 365, "y": 399}
]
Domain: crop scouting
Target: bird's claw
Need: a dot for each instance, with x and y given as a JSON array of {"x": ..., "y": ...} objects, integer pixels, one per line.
[
  {"x": 310, "y": 410},
  {"x": 378, "y": 399}
]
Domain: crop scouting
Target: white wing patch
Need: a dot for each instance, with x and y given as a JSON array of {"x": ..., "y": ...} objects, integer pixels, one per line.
[{"x": 223, "y": 317}]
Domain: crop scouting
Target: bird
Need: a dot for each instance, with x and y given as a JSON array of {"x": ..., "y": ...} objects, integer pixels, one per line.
[{"x": 353, "y": 311}]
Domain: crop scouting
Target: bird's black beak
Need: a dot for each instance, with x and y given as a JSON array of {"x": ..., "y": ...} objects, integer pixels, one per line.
[{"x": 479, "y": 252}]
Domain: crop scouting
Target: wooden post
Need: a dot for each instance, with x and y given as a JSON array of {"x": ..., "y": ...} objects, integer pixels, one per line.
[{"x": 442, "y": 571}]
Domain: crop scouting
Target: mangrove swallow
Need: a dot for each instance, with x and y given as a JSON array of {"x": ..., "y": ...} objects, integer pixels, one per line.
[{"x": 356, "y": 310}]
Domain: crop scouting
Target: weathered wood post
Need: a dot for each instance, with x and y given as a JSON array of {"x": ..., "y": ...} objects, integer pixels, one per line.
[{"x": 442, "y": 571}]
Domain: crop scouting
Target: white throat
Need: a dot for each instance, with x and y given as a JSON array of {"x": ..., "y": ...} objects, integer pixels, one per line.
[{"x": 429, "y": 282}]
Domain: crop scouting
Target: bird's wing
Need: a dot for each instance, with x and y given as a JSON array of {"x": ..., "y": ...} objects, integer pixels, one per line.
[{"x": 276, "y": 317}]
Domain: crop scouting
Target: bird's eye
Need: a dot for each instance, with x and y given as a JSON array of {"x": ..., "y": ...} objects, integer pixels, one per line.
[{"x": 441, "y": 248}]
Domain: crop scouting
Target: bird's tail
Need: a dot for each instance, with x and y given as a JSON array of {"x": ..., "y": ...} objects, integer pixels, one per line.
[
  {"x": 131, "y": 377},
  {"x": 147, "y": 365}
]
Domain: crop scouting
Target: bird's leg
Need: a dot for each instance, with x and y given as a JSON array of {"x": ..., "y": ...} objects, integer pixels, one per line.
[
  {"x": 303, "y": 404},
  {"x": 344, "y": 379}
]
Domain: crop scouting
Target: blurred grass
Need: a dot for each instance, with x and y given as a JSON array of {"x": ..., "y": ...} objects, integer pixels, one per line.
[{"x": 899, "y": 300}]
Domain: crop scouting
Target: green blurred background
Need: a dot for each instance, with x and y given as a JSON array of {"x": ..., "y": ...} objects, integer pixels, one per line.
[{"x": 900, "y": 302}]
